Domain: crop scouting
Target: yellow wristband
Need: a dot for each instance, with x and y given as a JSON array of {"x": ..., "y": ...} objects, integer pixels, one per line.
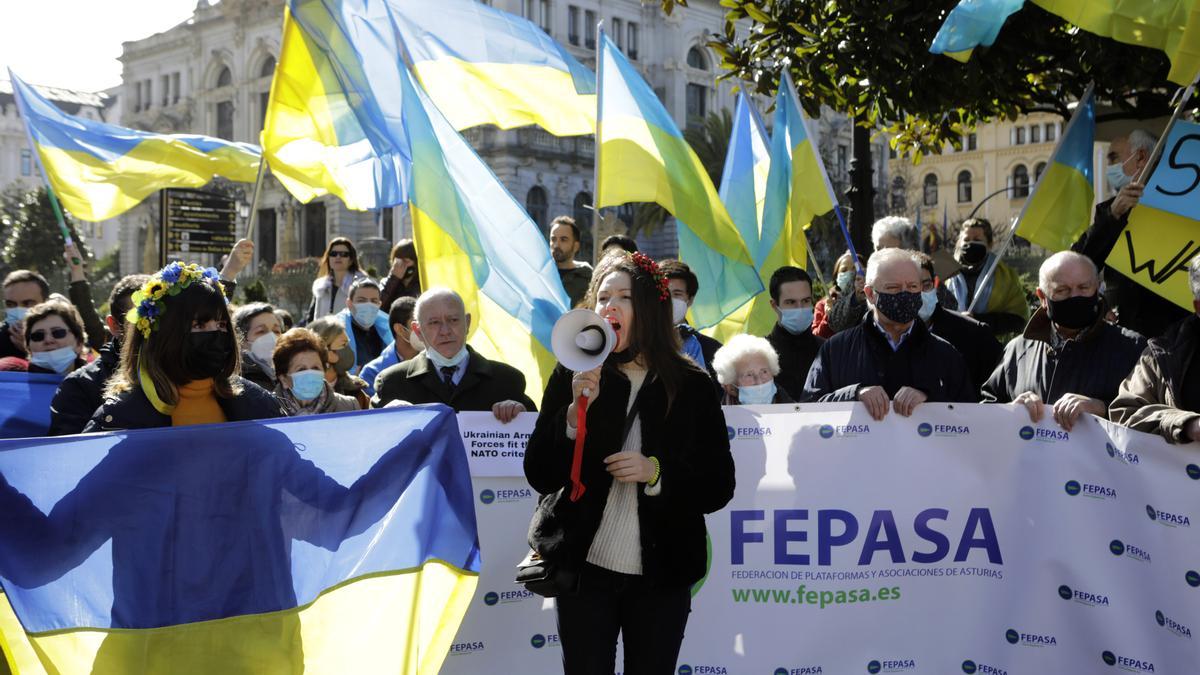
[{"x": 657, "y": 472}]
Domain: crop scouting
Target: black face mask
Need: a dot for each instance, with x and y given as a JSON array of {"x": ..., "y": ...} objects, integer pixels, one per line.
[
  {"x": 206, "y": 355},
  {"x": 1076, "y": 312},
  {"x": 972, "y": 253},
  {"x": 900, "y": 307}
]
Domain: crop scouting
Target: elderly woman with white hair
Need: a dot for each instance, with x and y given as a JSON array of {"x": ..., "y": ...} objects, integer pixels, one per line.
[
  {"x": 894, "y": 232},
  {"x": 746, "y": 368}
]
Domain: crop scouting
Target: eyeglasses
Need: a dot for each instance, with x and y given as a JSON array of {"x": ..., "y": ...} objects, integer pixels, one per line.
[
  {"x": 39, "y": 335},
  {"x": 339, "y": 254}
]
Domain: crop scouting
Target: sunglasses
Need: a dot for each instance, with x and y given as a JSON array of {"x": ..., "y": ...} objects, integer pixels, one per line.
[
  {"x": 39, "y": 335},
  {"x": 339, "y": 254}
]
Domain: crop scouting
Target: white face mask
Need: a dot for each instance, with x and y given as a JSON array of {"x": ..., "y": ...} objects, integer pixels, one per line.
[
  {"x": 58, "y": 360},
  {"x": 679, "y": 310},
  {"x": 442, "y": 362},
  {"x": 757, "y": 394},
  {"x": 264, "y": 346}
]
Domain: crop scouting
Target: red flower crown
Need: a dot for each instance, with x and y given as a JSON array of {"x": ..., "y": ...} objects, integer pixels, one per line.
[{"x": 650, "y": 267}]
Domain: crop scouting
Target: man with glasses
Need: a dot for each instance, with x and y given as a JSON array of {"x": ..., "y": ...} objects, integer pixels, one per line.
[
  {"x": 1069, "y": 357},
  {"x": 972, "y": 338},
  {"x": 890, "y": 360}
]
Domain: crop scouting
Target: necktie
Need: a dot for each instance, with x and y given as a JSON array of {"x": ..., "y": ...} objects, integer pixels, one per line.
[{"x": 448, "y": 375}]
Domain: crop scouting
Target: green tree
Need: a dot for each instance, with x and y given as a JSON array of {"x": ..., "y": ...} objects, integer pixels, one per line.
[
  {"x": 710, "y": 141},
  {"x": 31, "y": 234}
]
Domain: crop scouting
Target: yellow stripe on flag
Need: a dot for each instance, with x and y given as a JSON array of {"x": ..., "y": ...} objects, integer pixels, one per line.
[{"x": 1158, "y": 245}]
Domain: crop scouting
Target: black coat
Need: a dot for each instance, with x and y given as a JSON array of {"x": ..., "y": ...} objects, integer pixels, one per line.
[
  {"x": 7, "y": 348},
  {"x": 82, "y": 392},
  {"x": 132, "y": 410},
  {"x": 973, "y": 340},
  {"x": 1138, "y": 308},
  {"x": 1092, "y": 365},
  {"x": 690, "y": 442},
  {"x": 861, "y": 357},
  {"x": 256, "y": 374},
  {"x": 485, "y": 384},
  {"x": 796, "y": 355}
]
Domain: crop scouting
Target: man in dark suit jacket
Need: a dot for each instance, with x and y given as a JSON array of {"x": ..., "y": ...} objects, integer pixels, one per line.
[{"x": 448, "y": 371}]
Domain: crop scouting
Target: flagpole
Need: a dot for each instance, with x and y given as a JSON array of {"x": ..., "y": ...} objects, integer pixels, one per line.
[
  {"x": 258, "y": 181},
  {"x": 596, "y": 144},
  {"x": 991, "y": 270},
  {"x": 1162, "y": 139},
  {"x": 58, "y": 214}
]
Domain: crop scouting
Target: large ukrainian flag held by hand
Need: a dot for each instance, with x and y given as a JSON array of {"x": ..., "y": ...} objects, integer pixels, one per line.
[
  {"x": 644, "y": 158},
  {"x": 100, "y": 171},
  {"x": 481, "y": 65},
  {"x": 240, "y": 548},
  {"x": 1060, "y": 208}
]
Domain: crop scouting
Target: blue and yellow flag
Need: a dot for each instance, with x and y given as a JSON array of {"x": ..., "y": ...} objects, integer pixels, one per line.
[
  {"x": 481, "y": 65},
  {"x": 471, "y": 235},
  {"x": 100, "y": 171},
  {"x": 644, "y": 158},
  {"x": 1060, "y": 208},
  {"x": 970, "y": 24},
  {"x": 251, "y": 547},
  {"x": 25, "y": 403}
]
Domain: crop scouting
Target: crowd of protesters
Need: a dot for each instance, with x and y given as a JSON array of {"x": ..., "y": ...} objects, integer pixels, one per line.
[{"x": 887, "y": 332}]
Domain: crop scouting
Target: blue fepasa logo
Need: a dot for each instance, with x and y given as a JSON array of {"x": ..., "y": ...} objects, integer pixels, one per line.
[
  {"x": 1015, "y": 637},
  {"x": 1116, "y": 547},
  {"x": 969, "y": 666},
  {"x": 1073, "y": 487},
  {"x": 826, "y": 431},
  {"x": 538, "y": 641},
  {"x": 731, "y": 432},
  {"x": 1083, "y": 597},
  {"x": 1064, "y": 592},
  {"x": 1090, "y": 490},
  {"x": 1172, "y": 625},
  {"x": 1127, "y": 663},
  {"x": 490, "y": 598},
  {"x": 925, "y": 429},
  {"x": 1121, "y": 548},
  {"x": 1192, "y": 578},
  {"x": 781, "y": 671},
  {"x": 874, "y": 666},
  {"x": 1168, "y": 519},
  {"x": 1193, "y": 471},
  {"x": 1012, "y": 636},
  {"x": 1108, "y": 657},
  {"x": 685, "y": 669},
  {"x": 1026, "y": 433},
  {"x": 487, "y": 497}
]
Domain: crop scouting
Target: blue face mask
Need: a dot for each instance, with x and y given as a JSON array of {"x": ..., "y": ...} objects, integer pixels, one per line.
[
  {"x": 929, "y": 301},
  {"x": 15, "y": 314},
  {"x": 58, "y": 360},
  {"x": 307, "y": 384},
  {"x": 365, "y": 313},
  {"x": 796, "y": 321},
  {"x": 844, "y": 279},
  {"x": 757, "y": 394},
  {"x": 1114, "y": 175}
]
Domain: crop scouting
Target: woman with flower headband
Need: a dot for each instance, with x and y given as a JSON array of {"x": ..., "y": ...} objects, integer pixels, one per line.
[
  {"x": 655, "y": 460},
  {"x": 180, "y": 363}
]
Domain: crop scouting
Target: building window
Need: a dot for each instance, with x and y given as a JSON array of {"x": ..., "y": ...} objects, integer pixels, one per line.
[
  {"x": 537, "y": 11},
  {"x": 174, "y": 88},
  {"x": 573, "y": 25},
  {"x": 268, "y": 67},
  {"x": 589, "y": 29},
  {"x": 1038, "y": 171},
  {"x": 972, "y": 142},
  {"x": 1019, "y": 136},
  {"x": 264, "y": 100},
  {"x": 387, "y": 224},
  {"x": 964, "y": 186},
  {"x": 314, "y": 229},
  {"x": 225, "y": 120},
  {"x": 582, "y": 213},
  {"x": 899, "y": 196},
  {"x": 1020, "y": 182},
  {"x": 26, "y": 163},
  {"x": 1051, "y": 132},
  {"x": 618, "y": 33},
  {"x": 266, "y": 236},
  {"x": 536, "y": 205},
  {"x": 931, "y": 190},
  {"x": 166, "y": 90},
  {"x": 697, "y": 104},
  {"x": 224, "y": 78},
  {"x": 842, "y": 159},
  {"x": 1035, "y": 134},
  {"x": 632, "y": 43},
  {"x": 696, "y": 59}
]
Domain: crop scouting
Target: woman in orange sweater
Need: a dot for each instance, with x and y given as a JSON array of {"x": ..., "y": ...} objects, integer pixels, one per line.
[{"x": 181, "y": 361}]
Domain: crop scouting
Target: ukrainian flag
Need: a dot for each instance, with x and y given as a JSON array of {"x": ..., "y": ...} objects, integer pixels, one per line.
[
  {"x": 1060, "y": 208},
  {"x": 25, "y": 403},
  {"x": 481, "y": 65},
  {"x": 100, "y": 171},
  {"x": 250, "y": 547},
  {"x": 1172, "y": 26},
  {"x": 644, "y": 158},
  {"x": 970, "y": 24}
]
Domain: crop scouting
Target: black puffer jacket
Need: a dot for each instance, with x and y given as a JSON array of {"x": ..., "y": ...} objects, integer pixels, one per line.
[
  {"x": 1092, "y": 365},
  {"x": 796, "y": 354},
  {"x": 861, "y": 357},
  {"x": 690, "y": 441},
  {"x": 132, "y": 410},
  {"x": 82, "y": 392}
]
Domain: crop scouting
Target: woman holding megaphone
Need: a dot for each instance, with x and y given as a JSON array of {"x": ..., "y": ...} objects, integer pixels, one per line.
[{"x": 619, "y": 532}]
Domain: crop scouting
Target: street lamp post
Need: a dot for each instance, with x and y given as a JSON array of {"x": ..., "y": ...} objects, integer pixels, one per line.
[{"x": 984, "y": 200}]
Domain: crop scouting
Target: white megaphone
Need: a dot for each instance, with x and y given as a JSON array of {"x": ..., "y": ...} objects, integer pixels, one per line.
[{"x": 581, "y": 340}]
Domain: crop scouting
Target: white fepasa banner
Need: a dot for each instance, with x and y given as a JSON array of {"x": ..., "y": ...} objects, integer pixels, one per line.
[{"x": 964, "y": 539}]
